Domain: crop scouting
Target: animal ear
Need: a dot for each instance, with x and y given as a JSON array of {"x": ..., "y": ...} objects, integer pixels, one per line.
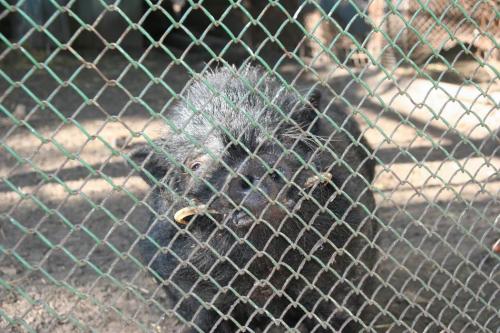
[
  {"x": 309, "y": 112},
  {"x": 152, "y": 164}
]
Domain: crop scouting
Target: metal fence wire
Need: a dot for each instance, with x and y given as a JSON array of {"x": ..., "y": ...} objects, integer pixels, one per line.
[{"x": 249, "y": 166}]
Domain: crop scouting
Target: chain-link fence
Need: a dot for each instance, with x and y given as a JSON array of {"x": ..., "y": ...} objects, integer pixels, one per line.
[{"x": 260, "y": 166}]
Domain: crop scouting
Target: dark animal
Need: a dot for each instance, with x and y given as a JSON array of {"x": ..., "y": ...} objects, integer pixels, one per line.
[{"x": 281, "y": 245}]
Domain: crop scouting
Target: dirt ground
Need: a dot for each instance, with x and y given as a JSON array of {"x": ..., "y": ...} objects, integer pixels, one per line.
[{"x": 71, "y": 210}]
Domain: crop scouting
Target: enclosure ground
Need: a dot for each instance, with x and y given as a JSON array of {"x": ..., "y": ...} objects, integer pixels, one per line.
[{"x": 71, "y": 239}]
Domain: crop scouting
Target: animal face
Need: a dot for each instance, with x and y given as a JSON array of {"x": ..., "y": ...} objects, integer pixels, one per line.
[{"x": 239, "y": 149}]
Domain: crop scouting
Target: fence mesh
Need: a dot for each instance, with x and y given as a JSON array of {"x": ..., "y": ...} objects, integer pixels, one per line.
[{"x": 261, "y": 166}]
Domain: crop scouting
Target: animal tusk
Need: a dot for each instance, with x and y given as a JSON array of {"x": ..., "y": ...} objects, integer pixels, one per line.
[
  {"x": 323, "y": 177},
  {"x": 496, "y": 247},
  {"x": 181, "y": 214}
]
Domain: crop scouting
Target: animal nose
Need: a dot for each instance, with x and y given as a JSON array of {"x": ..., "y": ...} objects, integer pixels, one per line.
[
  {"x": 246, "y": 191},
  {"x": 246, "y": 183},
  {"x": 240, "y": 187}
]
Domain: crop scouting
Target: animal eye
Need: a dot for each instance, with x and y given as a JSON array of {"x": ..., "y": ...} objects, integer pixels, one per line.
[{"x": 194, "y": 165}]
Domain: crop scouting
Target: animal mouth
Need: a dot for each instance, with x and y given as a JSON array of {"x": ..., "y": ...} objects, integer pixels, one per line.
[{"x": 238, "y": 218}]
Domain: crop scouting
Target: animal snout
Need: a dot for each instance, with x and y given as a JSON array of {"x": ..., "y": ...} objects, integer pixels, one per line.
[
  {"x": 248, "y": 191},
  {"x": 245, "y": 183}
]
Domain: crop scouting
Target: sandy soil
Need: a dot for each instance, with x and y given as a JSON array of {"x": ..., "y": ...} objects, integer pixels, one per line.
[{"x": 72, "y": 211}]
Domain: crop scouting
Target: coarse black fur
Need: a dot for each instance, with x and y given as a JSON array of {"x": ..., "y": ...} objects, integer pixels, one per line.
[{"x": 274, "y": 255}]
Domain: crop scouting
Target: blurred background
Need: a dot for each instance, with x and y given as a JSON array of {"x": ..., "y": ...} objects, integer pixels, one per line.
[{"x": 81, "y": 82}]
